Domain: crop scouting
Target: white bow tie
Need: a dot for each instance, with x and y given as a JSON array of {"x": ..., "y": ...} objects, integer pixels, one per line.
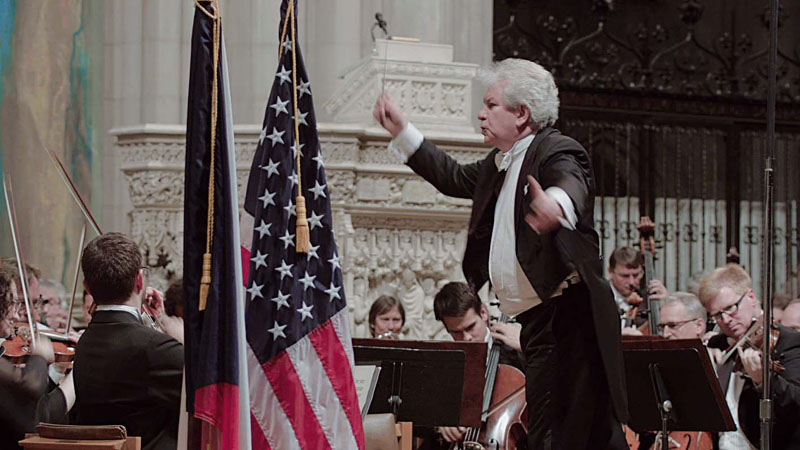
[{"x": 503, "y": 160}]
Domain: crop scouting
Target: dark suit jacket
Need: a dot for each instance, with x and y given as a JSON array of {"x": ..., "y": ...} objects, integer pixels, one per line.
[
  {"x": 547, "y": 259},
  {"x": 20, "y": 391},
  {"x": 785, "y": 394},
  {"x": 129, "y": 374}
]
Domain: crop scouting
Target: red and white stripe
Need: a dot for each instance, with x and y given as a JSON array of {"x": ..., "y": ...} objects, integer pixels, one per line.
[{"x": 304, "y": 397}]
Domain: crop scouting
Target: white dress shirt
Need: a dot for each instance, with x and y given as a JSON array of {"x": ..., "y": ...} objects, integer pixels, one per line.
[
  {"x": 128, "y": 309},
  {"x": 509, "y": 281},
  {"x": 734, "y": 440}
]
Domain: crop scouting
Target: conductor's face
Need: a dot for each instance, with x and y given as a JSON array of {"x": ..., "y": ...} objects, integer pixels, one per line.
[
  {"x": 471, "y": 327},
  {"x": 501, "y": 125}
]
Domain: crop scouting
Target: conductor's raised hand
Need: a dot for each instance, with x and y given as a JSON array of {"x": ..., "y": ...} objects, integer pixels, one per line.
[
  {"x": 545, "y": 211},
  {"x": 389, "y": 115}
]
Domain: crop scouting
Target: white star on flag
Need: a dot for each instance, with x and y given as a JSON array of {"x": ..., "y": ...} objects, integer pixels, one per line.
[
  {"x": 288, "y": 239},
  {"x": 333, "y": 292},
  {"x": 279, "y": 106},
  {"x": 312, "y": 252},
  {"x": 287, "y": 45},
  {"x": 259, "y": 259},
  {"x": 318, "y": 189},
  {"x": 262, "y": 136},
  {"x": 263, "y": 229},
  {"x": 303, "y": 88},
  {"x": 305, "y": 312},
  {"x": 280, "y": 300},
  {"x": 271, "y": 168},
  {"x": 318, "y": 160},
  {"x": 277, "y": 331},
  {"x": 285, "y": 269},
  {"x": 284, "y": 75},
  {"x": 255, "y": 290},
  {"x": 294, "y": 150},
  {"x": 267, "y": 198},
  {"x": 293, "y": 177},
  {"x": 315, "y": 221},
  {"x": 302, "y": 119},
  {"x": 276, "y": 136},
  {"x": 308, "y": 281},
  {"x": 335, "y": 262},
  {"x": 290, "y": 208}
]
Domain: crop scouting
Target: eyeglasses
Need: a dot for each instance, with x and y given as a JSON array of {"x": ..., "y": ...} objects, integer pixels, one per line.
[
  {"x": 674, "y": 325},
  {"x": 728, "y": 310}
]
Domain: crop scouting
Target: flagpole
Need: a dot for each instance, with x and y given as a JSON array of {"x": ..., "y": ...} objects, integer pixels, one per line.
[{"x": 765, "y": 410}]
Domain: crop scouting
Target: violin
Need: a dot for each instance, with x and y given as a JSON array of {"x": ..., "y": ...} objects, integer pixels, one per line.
[
  {"x": 16, "y": 350},
  {"x": 754, "y": 338},
  {"x": 505, "y": 410}
]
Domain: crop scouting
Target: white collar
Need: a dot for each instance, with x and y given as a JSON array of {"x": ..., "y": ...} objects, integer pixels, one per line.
[
  {"x": 126, "y": 308},
  {"x": 504, "y": 159}
]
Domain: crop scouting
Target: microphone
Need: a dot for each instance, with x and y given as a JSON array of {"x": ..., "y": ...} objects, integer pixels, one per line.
[{"x": 381, "y": 23}]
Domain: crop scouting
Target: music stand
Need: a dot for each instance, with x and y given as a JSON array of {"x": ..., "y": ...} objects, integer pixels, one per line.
[
  {"x": 672, "y": 386},
  {"x": 429, "y": 383}
]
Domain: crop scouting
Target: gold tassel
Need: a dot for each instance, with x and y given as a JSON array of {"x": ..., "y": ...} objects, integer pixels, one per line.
[
  {"x": 205, "y": 281},
  {"x": 303, "y": 242}
]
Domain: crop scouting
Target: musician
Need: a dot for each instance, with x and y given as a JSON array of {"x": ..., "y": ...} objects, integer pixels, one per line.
[
  {"x": 682, "y": 317},
  {"x": 531, "y": 234},
  {"x": 466, "y": 320},
  {"x": 24, "y": 392},
  {"x": 625, "y": 272},
  {"x": 386, "y": 317},
  {"x": 126, "y": 373},
  {"x": 728, "y": 296},
  {"x": 791, "y": 315}
]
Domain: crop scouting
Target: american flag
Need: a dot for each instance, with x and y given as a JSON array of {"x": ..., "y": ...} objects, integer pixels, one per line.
[{"x": 299, "y": 353}]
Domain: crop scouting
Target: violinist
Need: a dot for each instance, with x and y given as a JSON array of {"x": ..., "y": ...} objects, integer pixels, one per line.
[
  {"x": 24, "y": 391},
  {"x": 126, "y": 373},
  {"x": 466, "y": 320},
  {"x": 728, "y": 296}
]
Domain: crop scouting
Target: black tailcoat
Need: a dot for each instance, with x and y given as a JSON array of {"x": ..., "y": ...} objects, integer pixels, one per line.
[{"x": 547, "y": 259}]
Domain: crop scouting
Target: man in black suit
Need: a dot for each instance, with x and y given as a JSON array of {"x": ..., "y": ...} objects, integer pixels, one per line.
[
  {"x": 727, "y": 294},
  {"x": 531, "y": 234},
  {"x": 125, "y": 372}
]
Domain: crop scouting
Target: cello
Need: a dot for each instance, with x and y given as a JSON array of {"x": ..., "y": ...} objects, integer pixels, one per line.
[
  {"x": 505, "y": 410},
  {"x": 647, "y": 246}
]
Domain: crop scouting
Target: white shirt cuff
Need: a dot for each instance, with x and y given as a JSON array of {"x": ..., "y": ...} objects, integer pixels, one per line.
[
  {"x": 562, "y": 198},
  {"x": 407, "y": 142}
]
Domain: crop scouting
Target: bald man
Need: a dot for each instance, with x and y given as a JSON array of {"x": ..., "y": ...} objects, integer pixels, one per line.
[{"x": 791, "y": 315}]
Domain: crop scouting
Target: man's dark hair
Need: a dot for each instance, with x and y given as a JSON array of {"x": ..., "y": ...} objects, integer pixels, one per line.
[
  {"x": 454, "y": 300},
  {"x": 382, "y": 305},
  {"x": 625, "y": 256},
  {"x": 110, "y": 264}
]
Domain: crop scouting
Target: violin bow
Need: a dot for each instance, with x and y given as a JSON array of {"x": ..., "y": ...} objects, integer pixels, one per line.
[
  {"x": 75, "y": 281},
  {"x": 73, "y": 190},
  {"x": 12, "y": 221}
]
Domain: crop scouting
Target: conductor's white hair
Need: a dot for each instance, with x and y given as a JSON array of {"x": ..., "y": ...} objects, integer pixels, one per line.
[{"x": 527, "y": 84}]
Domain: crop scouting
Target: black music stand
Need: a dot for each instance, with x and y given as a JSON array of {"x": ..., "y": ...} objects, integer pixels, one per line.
[
  {"x": 428, "y": 383},
  {"x": 672, "y": 386}
]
